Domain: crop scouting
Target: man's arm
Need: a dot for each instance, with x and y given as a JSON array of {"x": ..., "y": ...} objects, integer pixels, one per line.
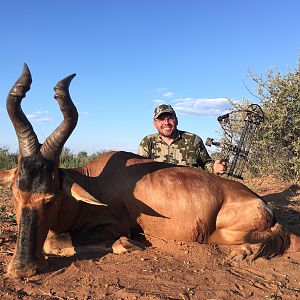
[
  {"x": 203, "y": 158},
  {"x": 144, "y": 149},
  {"x": 210, "y": 165}
]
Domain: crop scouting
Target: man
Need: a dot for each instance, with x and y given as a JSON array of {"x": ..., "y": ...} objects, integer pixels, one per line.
[{"x": 175, "y": 146}]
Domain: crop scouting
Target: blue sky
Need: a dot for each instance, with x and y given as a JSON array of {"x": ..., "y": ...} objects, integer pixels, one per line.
[{"x": 130, "y": 56}]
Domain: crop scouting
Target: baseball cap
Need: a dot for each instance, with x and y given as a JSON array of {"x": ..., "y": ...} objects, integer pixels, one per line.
[{"x": 163, "y": 108}]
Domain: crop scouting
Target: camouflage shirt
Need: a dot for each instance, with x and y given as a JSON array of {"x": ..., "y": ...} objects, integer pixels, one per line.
[{"x": 187, "y": 149}]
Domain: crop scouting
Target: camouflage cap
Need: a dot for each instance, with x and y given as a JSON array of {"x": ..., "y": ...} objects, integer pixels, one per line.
[{"x": 163, "y": 108}]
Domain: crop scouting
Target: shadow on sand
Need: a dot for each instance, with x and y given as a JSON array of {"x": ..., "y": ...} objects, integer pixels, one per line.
[{"x": 286, "y": 207}]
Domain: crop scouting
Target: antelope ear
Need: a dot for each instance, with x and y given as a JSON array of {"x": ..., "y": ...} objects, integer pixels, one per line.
[
  {"x": 80, "y": 194},
  {"x": 7, "y": 176}
]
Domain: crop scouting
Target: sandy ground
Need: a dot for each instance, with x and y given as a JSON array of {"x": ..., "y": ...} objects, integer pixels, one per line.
[{"x": 171, "y": 270}]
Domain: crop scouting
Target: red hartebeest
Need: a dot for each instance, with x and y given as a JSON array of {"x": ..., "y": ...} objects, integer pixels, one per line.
[{"x": 162, "y": 200}]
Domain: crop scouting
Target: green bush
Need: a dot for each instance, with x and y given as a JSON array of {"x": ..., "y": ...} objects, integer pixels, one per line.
[
  {"x": 71, "y": 160},
  {"x": 276, "y": 146},
  {"x": 68, "y": 159},
  {"x": 8, "y": 160}
]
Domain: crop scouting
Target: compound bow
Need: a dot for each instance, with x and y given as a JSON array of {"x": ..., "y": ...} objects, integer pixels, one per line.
[{"x": 235, "y": 147}]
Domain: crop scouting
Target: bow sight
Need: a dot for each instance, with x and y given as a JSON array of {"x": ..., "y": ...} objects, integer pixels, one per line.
[{"x": 236, "y": 143}]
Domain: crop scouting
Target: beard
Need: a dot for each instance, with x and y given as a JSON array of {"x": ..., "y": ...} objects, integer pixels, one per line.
[{"x": 167, "y": 131}]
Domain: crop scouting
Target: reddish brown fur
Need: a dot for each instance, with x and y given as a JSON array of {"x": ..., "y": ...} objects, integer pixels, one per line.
[{"x": 166, "y": 201}]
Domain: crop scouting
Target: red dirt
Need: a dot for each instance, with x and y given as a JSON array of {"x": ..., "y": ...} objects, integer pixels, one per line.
[{"x": 171, "y": 270}]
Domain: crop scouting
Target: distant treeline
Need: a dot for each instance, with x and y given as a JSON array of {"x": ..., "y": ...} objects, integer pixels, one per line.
[
  {"x": 8, "y": 159},
  {"x": 68, "y": 159}
]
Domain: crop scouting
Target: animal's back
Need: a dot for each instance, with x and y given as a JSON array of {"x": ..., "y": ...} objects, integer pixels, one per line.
[{"x": 170, "y": 201}]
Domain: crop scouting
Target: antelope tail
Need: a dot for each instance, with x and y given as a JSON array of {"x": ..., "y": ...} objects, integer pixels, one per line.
[{"x": 275, "y": 244}]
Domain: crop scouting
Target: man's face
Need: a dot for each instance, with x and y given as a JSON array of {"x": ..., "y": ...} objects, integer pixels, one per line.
[{"x": 166, "y": 124}]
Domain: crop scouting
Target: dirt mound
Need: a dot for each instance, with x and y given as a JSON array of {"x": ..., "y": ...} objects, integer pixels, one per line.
[{"x": 171, "y": 270}]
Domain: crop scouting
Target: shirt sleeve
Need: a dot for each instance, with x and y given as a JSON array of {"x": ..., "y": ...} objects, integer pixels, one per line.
[
  {"x": 143, "y": 149},
  {"x": 203, "y": 158}
]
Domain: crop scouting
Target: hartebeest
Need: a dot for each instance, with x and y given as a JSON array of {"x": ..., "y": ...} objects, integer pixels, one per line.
[{"x": 162, "y": 200}]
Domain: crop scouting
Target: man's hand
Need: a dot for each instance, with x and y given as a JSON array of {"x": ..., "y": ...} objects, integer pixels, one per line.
[{"x": 219, "y": 167}]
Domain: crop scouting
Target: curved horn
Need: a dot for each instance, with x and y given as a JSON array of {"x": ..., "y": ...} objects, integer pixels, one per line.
[
  {"x": 53, "y": 145},
  {"x": 28, "y": 142}
]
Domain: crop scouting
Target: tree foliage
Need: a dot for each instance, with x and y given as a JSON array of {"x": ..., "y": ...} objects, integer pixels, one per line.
[
  {"x": 68, "y": 159},
  {"x": 8, "y": 160},
  {"x": 277, "y": 145}
]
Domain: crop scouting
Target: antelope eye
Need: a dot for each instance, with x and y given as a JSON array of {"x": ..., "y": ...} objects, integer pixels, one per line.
[{"x": 49, "y": 201}]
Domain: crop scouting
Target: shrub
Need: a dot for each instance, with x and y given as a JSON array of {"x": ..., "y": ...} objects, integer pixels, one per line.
[{"x": 8, "y": 160}]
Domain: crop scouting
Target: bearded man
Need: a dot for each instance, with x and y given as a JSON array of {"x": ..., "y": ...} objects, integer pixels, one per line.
[{"x": 174, "y": 146}]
